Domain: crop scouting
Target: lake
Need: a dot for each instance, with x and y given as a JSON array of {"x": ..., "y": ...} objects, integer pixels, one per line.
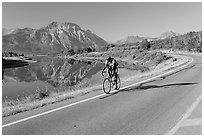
[{"x": 47, "y": 72}]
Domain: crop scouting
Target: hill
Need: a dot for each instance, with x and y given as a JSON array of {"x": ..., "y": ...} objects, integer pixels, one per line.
[{"x": 191, "y": 41}]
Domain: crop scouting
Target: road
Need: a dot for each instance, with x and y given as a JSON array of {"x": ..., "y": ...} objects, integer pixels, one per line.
[{"x": 170, "y": 104}]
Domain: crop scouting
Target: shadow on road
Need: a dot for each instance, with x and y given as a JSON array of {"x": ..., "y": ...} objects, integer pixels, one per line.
[
  {"x": 141, "y": 87},
  {"x": 165, "y": 76}
]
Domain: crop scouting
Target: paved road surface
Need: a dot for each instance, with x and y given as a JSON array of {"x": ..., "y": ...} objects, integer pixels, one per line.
[{"x": 167, "y": 105}]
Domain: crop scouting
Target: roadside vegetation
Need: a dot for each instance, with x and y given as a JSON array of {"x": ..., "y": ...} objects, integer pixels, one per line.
[{"x": 44, "y": 96}]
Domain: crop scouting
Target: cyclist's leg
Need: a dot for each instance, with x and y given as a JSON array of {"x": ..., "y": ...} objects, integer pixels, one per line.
[
  {"x": 110, "y": 73},
  {"x": 116, "y": 71},
  {"x": 115, "y": 76}
]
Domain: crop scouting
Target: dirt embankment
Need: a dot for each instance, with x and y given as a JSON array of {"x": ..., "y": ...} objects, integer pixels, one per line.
[
  {"x": 138, "y": 64},
  {"x": 132, "y": 59}
]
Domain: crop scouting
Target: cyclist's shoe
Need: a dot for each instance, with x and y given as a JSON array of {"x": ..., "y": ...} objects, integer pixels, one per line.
[{"x": 116, "y": 87}]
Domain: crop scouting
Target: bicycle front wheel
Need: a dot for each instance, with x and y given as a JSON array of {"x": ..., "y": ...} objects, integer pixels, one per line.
[{"x": 106, "y": 85}]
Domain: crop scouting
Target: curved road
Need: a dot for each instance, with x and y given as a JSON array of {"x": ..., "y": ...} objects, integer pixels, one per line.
[{"x": 169, "y": 104}]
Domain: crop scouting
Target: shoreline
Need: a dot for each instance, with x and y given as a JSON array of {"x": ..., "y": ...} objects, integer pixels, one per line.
[{"x": 125, "y": 79}]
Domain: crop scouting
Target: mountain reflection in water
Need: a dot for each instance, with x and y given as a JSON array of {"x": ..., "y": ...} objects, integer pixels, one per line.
[{"x": 51, "y": 72}]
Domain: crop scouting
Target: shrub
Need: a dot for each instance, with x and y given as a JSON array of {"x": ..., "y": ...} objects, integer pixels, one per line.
[{"x": 42, "y": 93}]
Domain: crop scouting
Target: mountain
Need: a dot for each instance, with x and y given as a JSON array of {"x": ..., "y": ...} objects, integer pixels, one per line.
[
  {"x": 54, "y": 38},
  {"x": 7, "y": 31},
  {"x": 135, "y": 39},
  {"x": 168, "y": 34},
  {"x": 129, "y": 39}
]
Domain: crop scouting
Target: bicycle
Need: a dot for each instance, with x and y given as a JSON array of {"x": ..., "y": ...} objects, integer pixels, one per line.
[{"x": 110, "y": 82}]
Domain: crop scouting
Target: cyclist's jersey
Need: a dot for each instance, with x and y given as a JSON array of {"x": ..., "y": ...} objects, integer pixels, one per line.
[{"x": 111, "y": 64}]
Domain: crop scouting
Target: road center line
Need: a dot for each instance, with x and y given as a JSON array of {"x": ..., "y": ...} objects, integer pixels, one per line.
[{"x": 66, "y": 106}]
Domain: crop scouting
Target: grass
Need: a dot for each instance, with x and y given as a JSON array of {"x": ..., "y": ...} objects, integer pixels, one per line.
[{"x": 44, "y": 96}]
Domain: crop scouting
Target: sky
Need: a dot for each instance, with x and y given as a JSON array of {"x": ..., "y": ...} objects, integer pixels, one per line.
[{"x": 110, "y": 20}]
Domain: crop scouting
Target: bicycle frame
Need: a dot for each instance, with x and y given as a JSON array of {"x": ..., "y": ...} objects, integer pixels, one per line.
[{"x": 110, "y": 76}]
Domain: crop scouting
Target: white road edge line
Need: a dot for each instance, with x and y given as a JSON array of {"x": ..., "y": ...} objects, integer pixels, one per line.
[
  {"x": 185, "y": 116},
  {"x": 44, "y": 113}
]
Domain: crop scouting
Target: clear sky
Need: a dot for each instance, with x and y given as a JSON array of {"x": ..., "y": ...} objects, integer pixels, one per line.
[{"x": 111, "y": 21}]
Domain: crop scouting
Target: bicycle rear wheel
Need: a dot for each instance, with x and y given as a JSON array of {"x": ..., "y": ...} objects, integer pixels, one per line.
[{"x": 106, "y": 85}]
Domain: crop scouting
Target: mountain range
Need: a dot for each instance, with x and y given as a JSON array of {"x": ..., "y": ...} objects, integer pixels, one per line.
[
  {"x": 135, "y": 39},
  {"x": 63, "y": 38},
  {"x": 54, "y": 38}
]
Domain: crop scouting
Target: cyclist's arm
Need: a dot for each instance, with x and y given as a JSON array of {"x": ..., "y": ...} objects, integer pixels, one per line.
[
  {"x": 106, "y": 64},
  {"x": 104, "y": 68},
  {"x": 117, "y": 69}
]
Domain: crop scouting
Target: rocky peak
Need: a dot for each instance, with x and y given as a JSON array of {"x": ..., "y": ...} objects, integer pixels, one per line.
[{"x": 168, "y": 34}]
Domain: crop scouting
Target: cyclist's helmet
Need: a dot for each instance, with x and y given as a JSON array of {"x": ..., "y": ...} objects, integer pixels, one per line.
[{"x": 109, "y": 58}]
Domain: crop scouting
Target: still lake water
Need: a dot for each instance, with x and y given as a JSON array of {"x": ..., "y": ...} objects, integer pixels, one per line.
[{"x": 47, "y": 72}]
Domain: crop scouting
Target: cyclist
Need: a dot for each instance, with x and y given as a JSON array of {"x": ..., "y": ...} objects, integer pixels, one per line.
[{"x": 112, "y": 65}]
